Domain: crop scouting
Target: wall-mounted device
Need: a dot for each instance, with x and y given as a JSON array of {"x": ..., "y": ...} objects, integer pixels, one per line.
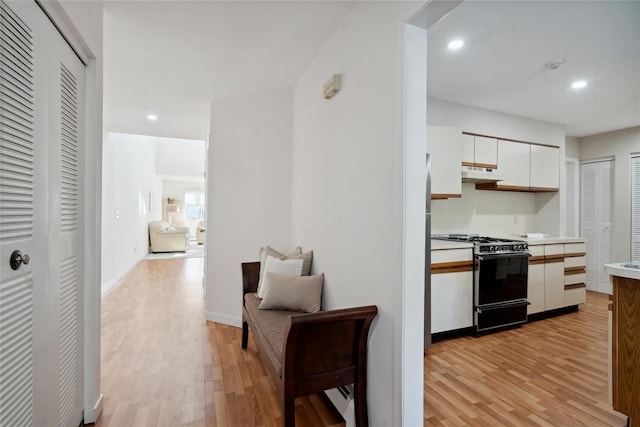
[{"x": 332, "y": 86}]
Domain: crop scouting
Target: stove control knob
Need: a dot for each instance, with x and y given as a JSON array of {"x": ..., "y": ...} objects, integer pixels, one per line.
[{"x": 492, "y": 248}]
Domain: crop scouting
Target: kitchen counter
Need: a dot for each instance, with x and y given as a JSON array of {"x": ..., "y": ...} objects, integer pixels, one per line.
[
  {"x": 446, "y": 244},
  {"x": 616, "y": 269},
  {"x": 553, "y": 240}
]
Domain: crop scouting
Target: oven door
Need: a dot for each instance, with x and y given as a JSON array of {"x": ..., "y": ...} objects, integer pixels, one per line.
[
  {"x": 501, "y": 278},
  {"x": 500, "y": 291}
]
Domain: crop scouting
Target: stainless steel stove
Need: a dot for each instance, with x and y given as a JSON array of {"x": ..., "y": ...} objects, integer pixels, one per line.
[{"x": 499, "y": 280}]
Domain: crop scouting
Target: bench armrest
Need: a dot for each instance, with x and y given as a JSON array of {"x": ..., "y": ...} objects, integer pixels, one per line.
[{"x": 250, "y": 278}]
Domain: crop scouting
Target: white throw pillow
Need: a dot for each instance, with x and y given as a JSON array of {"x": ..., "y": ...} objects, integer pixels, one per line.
[
  {"x": 295, "y": 293},
  {"x": 288, "y": 267}
]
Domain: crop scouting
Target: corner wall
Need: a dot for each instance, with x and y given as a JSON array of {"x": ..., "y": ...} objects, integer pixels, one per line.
[
  {"x": 348, "y": 200},
  {"x": 621, "y": 145},
  {"x": 248, "y": 192},
  {"x": 129, "y": 174}
]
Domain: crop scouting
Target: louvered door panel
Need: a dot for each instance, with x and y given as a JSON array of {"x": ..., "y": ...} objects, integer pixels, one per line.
[
  {"x": 588, "y": 219},
  {"x": 635, "y": 208},
  {"x": 69, "y": 150},
  {"x": 69, "y": 349},
  {"x": 17, "y": 136},
  {"x": 605, "y": 223}
]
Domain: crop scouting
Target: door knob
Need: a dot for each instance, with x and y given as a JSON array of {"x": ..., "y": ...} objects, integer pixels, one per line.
[{"x": 18, "y": 258}]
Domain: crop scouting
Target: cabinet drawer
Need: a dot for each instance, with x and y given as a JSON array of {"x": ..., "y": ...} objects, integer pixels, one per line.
[
  {"x": 572, "y": 279},
  {"x": 575, "y": 296},
  {"x": 575, "y": 249},
  {"x": 537, "y": 255},
  {"x": 451, "y": 301},
  {"x": 553, "y": 250},
  {"x": 574, "y": 262},
  {"x": 450, "y": 255}
]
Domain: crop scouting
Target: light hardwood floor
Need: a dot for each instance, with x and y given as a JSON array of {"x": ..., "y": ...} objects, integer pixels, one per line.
[
  {"x": 164, "y": 365},
  {"x": 547, "y": 373}
]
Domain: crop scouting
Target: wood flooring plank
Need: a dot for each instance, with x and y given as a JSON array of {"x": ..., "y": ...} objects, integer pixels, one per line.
[{"x": 552, "y": 372}]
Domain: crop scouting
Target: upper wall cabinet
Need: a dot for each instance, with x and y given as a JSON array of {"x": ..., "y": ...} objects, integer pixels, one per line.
[
  {"x": 526, "y": 167},
  {"x": 479, "y": 151},
  {"x": 545, "y": 168},
  {"x": 445, "y": 146}
]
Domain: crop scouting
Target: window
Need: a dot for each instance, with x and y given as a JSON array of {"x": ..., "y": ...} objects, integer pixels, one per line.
[{"x": 194, "y": 204}]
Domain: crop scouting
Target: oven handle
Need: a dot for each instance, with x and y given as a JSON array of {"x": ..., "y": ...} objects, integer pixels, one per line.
[
  {"x": 499, "y": 305},
  {"x": 497, "y": 256}
]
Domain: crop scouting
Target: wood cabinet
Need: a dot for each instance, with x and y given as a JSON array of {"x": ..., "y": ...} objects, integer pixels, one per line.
[
  {"x": 445, "y": 146},
  {"x": 451, "y": 289},
  {"x": 544, "y": 168},
  {"x": 479, "y": 151},
  {"x": 625, "y": 346}
]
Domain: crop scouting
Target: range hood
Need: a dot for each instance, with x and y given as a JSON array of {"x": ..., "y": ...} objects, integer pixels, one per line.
[{"x": 479, "y": 175}]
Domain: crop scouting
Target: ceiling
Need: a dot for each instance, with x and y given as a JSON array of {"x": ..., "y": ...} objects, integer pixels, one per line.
[
  {"x": 501, "y": 67},
  {"x": 171, "y": 58}
]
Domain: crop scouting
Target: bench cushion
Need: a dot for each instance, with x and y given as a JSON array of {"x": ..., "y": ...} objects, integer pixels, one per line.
[{"x": 270, "y": 325}]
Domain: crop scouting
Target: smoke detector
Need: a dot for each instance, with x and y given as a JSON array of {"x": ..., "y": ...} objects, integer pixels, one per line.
[{"x": 555, "y": 64}]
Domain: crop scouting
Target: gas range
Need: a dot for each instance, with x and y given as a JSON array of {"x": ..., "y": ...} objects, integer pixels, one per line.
[{"x": 487, "y": 245}]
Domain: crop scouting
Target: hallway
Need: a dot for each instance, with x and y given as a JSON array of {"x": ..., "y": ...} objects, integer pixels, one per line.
[{"x": 164, "y": 365}]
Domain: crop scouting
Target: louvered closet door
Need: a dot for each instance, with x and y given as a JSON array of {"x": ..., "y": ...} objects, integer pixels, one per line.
[
  {"x": 635, "y": 208},
  {"x": 596, "y": 212},
  {"x": 40, "y": 343},
  {"x": 66, "y": 93}
]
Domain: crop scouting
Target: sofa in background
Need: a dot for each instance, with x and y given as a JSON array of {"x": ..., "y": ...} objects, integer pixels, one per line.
[{"x": 165, "y": 238}]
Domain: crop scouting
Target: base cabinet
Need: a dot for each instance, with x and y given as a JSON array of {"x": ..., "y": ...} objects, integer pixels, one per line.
[
  {"x": 625, "y": 346},
  {"x": 451, "y": 290}
]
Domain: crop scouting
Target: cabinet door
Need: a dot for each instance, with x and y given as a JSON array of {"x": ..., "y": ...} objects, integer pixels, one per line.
[
  {"x": 513, "y": 161},
  {"x": 445, "y": 146},
  {"x": 545, "y": 167},
  {"x": 468, "y": 150},
  {"x": 451, "y": 301},
  {"x": 553, "y": 276},
  {"x": 486, "y": 152},
  {"x": 535, "y": 281}
]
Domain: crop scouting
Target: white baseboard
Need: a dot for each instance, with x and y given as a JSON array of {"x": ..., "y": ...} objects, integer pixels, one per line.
[
  {"x": 91, "y": 414},
  {"x": 108, "y": 287},
  {"x": 224, "y": 319}
]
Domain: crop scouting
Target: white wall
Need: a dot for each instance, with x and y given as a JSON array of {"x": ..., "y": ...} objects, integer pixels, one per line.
[
  {"x": 180, "y": 157},
  {"x": 620, "y": 145},
  {"x": 497, "y": 212},
  {"x": 248, "y": 192},
  {"x": 129, "y": 175},
  {"x": 348, "y": 204}
]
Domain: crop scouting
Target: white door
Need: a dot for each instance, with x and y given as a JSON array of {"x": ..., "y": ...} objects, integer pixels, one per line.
[
  {"x": 40, "y": 141},
  {"x": 635, "y": 208},
  {"x": 596, "y": 210}
]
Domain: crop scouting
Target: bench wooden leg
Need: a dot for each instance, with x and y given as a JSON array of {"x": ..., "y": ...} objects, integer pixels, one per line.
[
  {"x": 245, "y": 334},
  {"x": 288, "y": 412},
  {"x": 360, "y": 401}
]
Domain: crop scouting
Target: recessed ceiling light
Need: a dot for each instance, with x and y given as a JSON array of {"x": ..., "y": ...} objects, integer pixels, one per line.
[
  {"x": 455, "y": 44},
  {"x": 152, "y": 117},
  {"x": 579, "y": 84}
]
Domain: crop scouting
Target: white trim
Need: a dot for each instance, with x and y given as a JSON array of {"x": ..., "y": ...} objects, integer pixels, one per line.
[
  {"x": 91, "y": 414},
  {"x": 224, "y": 319},
  {"x": 576, "y": 196},
  {"x": 58, "y": 17},
  {"x": 598, "y": 159}
]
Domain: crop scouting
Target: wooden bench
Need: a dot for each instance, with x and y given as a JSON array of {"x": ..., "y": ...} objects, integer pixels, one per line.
[{"x": 308, "y": 353}]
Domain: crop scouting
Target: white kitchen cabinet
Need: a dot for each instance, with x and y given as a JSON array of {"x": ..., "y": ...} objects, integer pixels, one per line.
[
  {"x": 445, "y": 146},
  {"x": 575, "y": 289},
  {"x": 451, "y": 289},
  {"x": 513, "y": 165},
  {"x": 553, "y": 276},
  {"x": 545, "y": 168},
  {"x": 479, "y": 151},
  {"x": 535, "y": 282}
]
